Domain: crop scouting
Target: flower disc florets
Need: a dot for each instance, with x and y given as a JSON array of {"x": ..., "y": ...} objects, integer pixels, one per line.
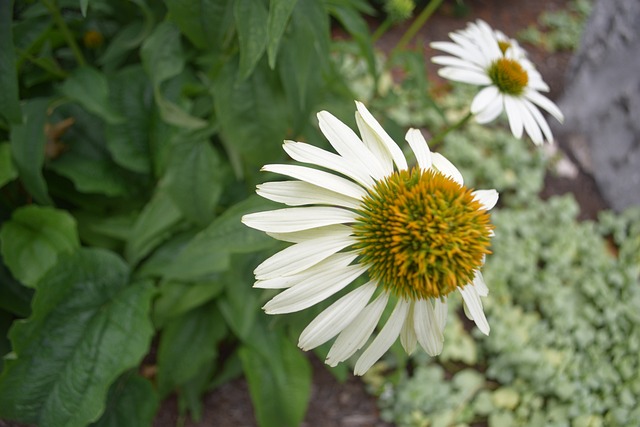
[
  {"x": 422, "y": 234},
  {"x": 508, "y": 76}
]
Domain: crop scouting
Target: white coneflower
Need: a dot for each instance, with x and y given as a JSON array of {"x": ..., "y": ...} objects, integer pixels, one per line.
[
  {"x": 416, "y": 233},
  {"x": 485, "y": 57}
]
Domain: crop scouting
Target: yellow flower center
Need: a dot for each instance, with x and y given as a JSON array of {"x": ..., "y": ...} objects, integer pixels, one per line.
[
  {"x": 422, "y": 234},
  {"x": 508, "y": 76}
]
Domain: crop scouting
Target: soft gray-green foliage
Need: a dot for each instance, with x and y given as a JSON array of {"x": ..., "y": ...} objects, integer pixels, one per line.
[{"x": 565, "y": 329}]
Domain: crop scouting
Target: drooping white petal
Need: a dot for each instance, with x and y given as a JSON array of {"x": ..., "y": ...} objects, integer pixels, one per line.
[
  {"x": 354, "y": 336},
  {"x": 408, "y": 337},
  {"x": 333, "y": 262},
  {"x": 452, "y": 61},
  {"x": 444, "y": 166},
  {"x": 458, "y": 51},
  {"x": 491, "y": 111},
  {"x": 386, "y": 337},
  {"x": 474, "y": 306},
  {"x": 514, "y": 115},
  {"x": 420, "y": 148},
  {"x": 378, "y": 132},
  {"x": 540, "y": 120},
  {"x": 313, "y": 290},
  {"x": 307, "y": 153},
  {"x": 544, "y": 103},
  {"x": 441, "y": 311},
  {"x": 320, "y": 178},
  {"x": 427, "y": 328},
  {"x": 296, "y": 219},
  {"x": 479, "y": 283},
  {"x": 345, "y": 141},
  {"x": 464, "y": 76},
  {"x": 485, "y": 97},
  {"x": 530, "y": 125},
  {"x": 313, "y": 233},
  {"x": 300, "y": 193},
  {"x": 488, "y": 198},
  {"x": 301, "y": 256},
  {"x": 336, "y": 317}
]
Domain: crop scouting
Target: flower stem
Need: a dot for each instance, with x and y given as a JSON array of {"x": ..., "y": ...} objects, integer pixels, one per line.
[
  {"x": 381, "y": 30},
  {"x": 59, "y": 20},
  {"x": 439, "y": 137},
  {"x": 417, "y": 24}
]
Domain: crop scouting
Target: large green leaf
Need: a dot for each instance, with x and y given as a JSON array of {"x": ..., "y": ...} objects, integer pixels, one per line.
[
  {"x": 132, "y": 402},
  {"x": 27, "y": 146},
  {"x": 279, "y": 13},
  {"x": 251, "y": 22},
  {"x": 176, "y": 298},
  {"x": 202, "y": 21},
  {"x": 89, "y": 87},
  {"x": 210, "y": 250},
  {"x": 89, "y": 324},
  {"x": 279, "y": 378},
  {"x": 34, "y": 238},
  {"x": 128, "y": 142},
  {"x": 188, "y": 344},
  {"x": 9, "y": 102},
  {"x": 195, "y": 178},
  {"x": 8, "y": 171}
]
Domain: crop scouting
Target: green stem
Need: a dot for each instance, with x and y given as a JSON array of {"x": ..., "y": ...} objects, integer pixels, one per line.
[
  {"x": 381, "y": 30},
  {"x": 439, "y": 137},
  {"x": 59, "y": 20},
  {"x": 44, "y": 64},
  {"x": 417, "y": 24}
]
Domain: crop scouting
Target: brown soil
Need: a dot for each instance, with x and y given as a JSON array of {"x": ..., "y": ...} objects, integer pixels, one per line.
[{"x": 348, "y": 404}]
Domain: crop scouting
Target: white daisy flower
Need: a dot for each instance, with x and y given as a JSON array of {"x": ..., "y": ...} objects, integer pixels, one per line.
[
  {"x": 414, "y": 235},
  {"x": 485, "y": 57}
]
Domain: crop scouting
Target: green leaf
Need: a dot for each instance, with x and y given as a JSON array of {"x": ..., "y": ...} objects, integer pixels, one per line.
[
  {"x": 251, "y": 21},
  {"x": 89, "y": 87},
  {"x": 279, "y": 379},
  {"x": 34, "y": 238},
  {"x": 279, "y": 13},
  {"x": 176, "y": 298},
  {"x": 254, "y": 125},
  {"x": 210, "y": 250},
  {"x": 188, "y": 344},
  {"x": 27, "y": 146},
  {"x": 128, "y": 142},
  {"x": 204, "y": 22},
  {"x": 8, "y": 171},
  {"x": 9, "y": 101},
  {"x": 195, "y": 178},
  {"x": 154, "y": 225},
  {"x": 88, "y": 326},
  {"x": 132, "y": 402}
]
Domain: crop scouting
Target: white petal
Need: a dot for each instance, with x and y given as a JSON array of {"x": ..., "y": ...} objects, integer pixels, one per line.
[
  {"x": 301, "y": 256},
  {"x": 375, "y": 144},
  {"x": 488, "y": 198},
  {"x": 348, "y": 145},
  {"x": 474, "y": 306},
  {"x": 464, "y": 76},
  {"x": 492, "y": 111},
  {"x": 313, "y": 233},
  {"x": 322, "y": 179},
  {"x": 333, "y": 262},
  {"x": 542, "y": 122},
  {"x": 427, "y": 329},
  {"x": 378, "y": 132},
  {"x": 307, "y": 153},
  {"x": 545, "y": 103},
  {"x": 296, "y": 219},
  {"x": 444, "y": 166},
  {"x": 441, "y": 311},
  {"x": 386, "y": 337},
  {"x": 408, "y": 337},
  {"x": 420, "y": 148},
  {"x": 354, "y": 336},
  {"x": 456, "y": 63},
  {"x": 336, "y": 317},
  {"x": 300, "y": 193},
  {"x": 484, "y": 98},
  {"x": 459, "y": 51},
  {"x": 514, "y": 115},
  {"x": 479, "y": 283},
  {"x": 313, "y": 290},
  {"x": 530, "y": 125}
]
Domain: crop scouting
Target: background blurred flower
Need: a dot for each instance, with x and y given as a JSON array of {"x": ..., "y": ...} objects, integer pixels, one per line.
[
  {"x": 485, "y": 57},
  {"x": 417, "y": 232}
]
